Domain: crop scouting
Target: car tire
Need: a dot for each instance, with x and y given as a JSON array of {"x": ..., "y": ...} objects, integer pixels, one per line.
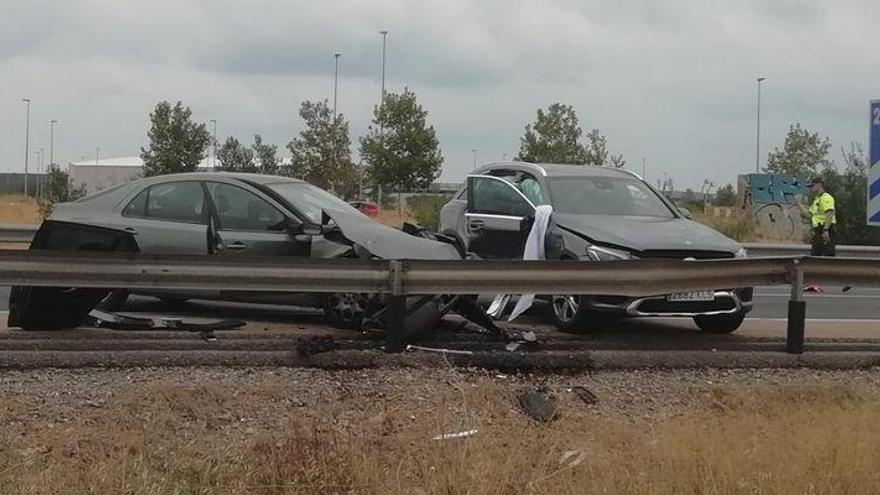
[
  {"x": 570, "y": 315},
  {"x": 720, "y": 323}
]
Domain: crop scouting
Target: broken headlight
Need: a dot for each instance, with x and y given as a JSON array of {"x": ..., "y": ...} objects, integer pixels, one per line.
[{"x": 597, "y": 253}]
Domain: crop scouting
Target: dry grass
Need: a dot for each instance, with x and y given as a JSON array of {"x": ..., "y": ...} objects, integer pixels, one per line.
[
  {"x": 746, "y": 439},
  {"x": 19, "y": 209}
]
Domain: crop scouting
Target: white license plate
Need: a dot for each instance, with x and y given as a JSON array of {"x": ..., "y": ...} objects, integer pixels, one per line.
[{"x": 702, "y": 295}]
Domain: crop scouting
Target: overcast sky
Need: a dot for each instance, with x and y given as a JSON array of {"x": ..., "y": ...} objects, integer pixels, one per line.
[{"x": 669, "y": 81}]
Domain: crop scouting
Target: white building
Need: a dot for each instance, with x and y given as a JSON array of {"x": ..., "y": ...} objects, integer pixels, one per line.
[{"x": 97, "y": 175}]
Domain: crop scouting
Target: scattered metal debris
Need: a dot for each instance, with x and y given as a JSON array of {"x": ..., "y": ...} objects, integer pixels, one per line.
[
  {"x": 442, "y": 351},
  {"x": 539, "y": 405},
  {"x": 571, "y": 458},
  {"x": 585, "y": 395},
  {"x": 115, "y": 321},
  {"x": 458, "y": 434}
]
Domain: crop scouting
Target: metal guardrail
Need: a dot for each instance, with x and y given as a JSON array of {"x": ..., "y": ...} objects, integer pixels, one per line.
[
  {"x": 400, "y": 279},
  {"x": 846, "y": 251},
  {"x": 17, "y": 233}
]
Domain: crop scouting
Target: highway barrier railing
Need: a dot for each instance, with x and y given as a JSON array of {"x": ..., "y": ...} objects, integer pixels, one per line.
[
  {"x": 846, "y": 251},
  {"x": 23, "y": 233},
  {"x": 399, "y": 279}
]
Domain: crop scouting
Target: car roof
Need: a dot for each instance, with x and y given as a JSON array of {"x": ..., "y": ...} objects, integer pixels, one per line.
[
  {"x": 255, "y": 178},
  {"x": 559, "y": 170}
]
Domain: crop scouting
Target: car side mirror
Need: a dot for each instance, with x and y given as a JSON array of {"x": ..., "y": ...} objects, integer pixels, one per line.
[
  {"x": 307, "y": 228},
  {"x": 685, "y": 212}
]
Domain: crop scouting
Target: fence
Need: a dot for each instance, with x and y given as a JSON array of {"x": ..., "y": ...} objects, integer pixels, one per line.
[{"x": 399, "y": 279}]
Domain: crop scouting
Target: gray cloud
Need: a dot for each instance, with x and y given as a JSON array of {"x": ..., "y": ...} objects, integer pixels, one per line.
[{"x": 673, "y": 82}]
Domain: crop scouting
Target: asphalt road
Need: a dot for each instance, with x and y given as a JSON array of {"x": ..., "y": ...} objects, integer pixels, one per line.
[{"x": 771, "y": 303}]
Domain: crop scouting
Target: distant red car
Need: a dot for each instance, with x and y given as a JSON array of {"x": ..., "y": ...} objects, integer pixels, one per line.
[{"x": 367, "y": 208}]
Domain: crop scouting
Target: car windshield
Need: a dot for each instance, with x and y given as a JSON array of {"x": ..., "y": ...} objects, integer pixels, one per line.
[
  {"x": 606, "y": 196},
  {"x": 311, "y": 200}
]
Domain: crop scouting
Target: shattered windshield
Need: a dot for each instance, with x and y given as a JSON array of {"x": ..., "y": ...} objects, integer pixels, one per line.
[
  {"x": 311, "y": 200},
  {"x": 606, "y": 196}
]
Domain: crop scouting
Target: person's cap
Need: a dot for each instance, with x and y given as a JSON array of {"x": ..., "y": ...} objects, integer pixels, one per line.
[{"x": 815, "y": 180}]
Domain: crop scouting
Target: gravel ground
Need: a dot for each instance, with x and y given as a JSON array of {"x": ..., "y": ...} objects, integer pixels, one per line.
[{"x": 247, "y": 400}]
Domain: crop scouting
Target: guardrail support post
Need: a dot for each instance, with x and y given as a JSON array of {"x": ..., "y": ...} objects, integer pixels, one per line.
[
  {"x": 394, "y": 331},
  {"x": 797, "y": 311}
]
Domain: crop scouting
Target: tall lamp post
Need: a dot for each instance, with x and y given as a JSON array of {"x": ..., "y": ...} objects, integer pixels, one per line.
[
  {"x": 52, "y": 143},
  {"x": 27, "y": 135},
  {"x": 336, "y": 56},
  {"x": 474, "y": 151},
  {"x": 39, "y": 160},
  {"x": 384, "y": 39},
  {"x": 758, "y": 131}
]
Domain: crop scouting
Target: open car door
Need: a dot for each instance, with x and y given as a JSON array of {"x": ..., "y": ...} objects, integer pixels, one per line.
[{"x": 498, "y": 218}]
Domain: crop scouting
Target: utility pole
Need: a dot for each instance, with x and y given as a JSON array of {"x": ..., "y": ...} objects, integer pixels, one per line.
[
  {"x": 335, "y": 82},
  {"x": 474, "y": 150},
  {"x": 97, "y": 155},
  {"x": 52, "y": 143},
  {"x": 27, "y": 135},
  {"x": 758, "y": 138},
  {"x": 384, "y": 39}
]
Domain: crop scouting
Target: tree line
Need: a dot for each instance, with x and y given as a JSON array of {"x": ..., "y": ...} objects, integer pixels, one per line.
[{"x": 400, "y": 151}]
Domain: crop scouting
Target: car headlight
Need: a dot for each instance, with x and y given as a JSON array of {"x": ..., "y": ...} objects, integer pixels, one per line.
[
  {"x": 741, "y": 253},
  {"x": 597, "y": 253}
]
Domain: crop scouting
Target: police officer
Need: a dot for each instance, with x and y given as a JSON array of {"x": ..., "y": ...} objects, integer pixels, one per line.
[{"x": 822, "y": 222}]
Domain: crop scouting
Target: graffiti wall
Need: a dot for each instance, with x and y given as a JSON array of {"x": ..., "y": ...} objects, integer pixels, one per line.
[{"x": 771, "y": 200}]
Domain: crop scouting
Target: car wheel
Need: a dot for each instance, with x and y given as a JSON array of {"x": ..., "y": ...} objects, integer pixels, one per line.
[
  {"x": 720, "y": 323},
  {"x": 345, "y": 309},
  {"x": 571, "y": 316}
]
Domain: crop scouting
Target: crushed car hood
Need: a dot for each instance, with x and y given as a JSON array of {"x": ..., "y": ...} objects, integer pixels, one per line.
[
  {"x": 647, "y": 233},
  {"x": 389, "y": 243}
]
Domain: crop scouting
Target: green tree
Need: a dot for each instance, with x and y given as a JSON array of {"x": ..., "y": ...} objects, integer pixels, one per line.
[
  {"x": 802, "y": 154},
  {"x": 402, "y": 150},
  {"x": 177, "y": 144},
  {"x": 321, "y": 154},
  {"x": 725, "y": 196},
  {"x": 235, "y": 157},
  {"x": 265, "y": 155},
  {"x": 598, "y": 154},
  {"x": 555, "y": 137},
  {"x": 851, "y": 204},
  {"x": 58, "y": 189}
]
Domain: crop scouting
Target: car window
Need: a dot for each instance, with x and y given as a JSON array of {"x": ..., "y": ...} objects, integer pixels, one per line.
[
  {"x": 138, "y": 206},
  {"x": 177, "y": 201},
  {"x": 239, "y": 209},
  {"x": 606, "y": 196},
  {"x": 497, "y": 197},
  {"x": 174, "y": 201}
]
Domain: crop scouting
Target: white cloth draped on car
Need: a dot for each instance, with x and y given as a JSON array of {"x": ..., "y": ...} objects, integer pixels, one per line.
[{"x": 534, "y": 250}]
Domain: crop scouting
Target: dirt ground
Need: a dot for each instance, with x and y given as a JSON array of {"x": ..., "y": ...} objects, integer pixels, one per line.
[
  {"x": 282, "y": 430},
  {"x": 19, "y": 209}
]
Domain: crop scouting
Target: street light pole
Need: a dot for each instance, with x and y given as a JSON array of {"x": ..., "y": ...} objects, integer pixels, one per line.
[
  {"x": 758, "y": 132},
  {"x": 335, "y": 82},
  {"x": 97, "y": 155},
  {"x": 384, "y": 38},
  {"x": 52, "y": 143},
  {"x": 27, "y": 135},
  {"x": 39, "y": 164},
  {"x": 214, "y": 156},
  {"x": 474, "y": 150}
]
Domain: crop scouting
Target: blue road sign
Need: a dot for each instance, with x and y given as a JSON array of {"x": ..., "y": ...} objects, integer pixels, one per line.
[{"x": 874, "y": 165}]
